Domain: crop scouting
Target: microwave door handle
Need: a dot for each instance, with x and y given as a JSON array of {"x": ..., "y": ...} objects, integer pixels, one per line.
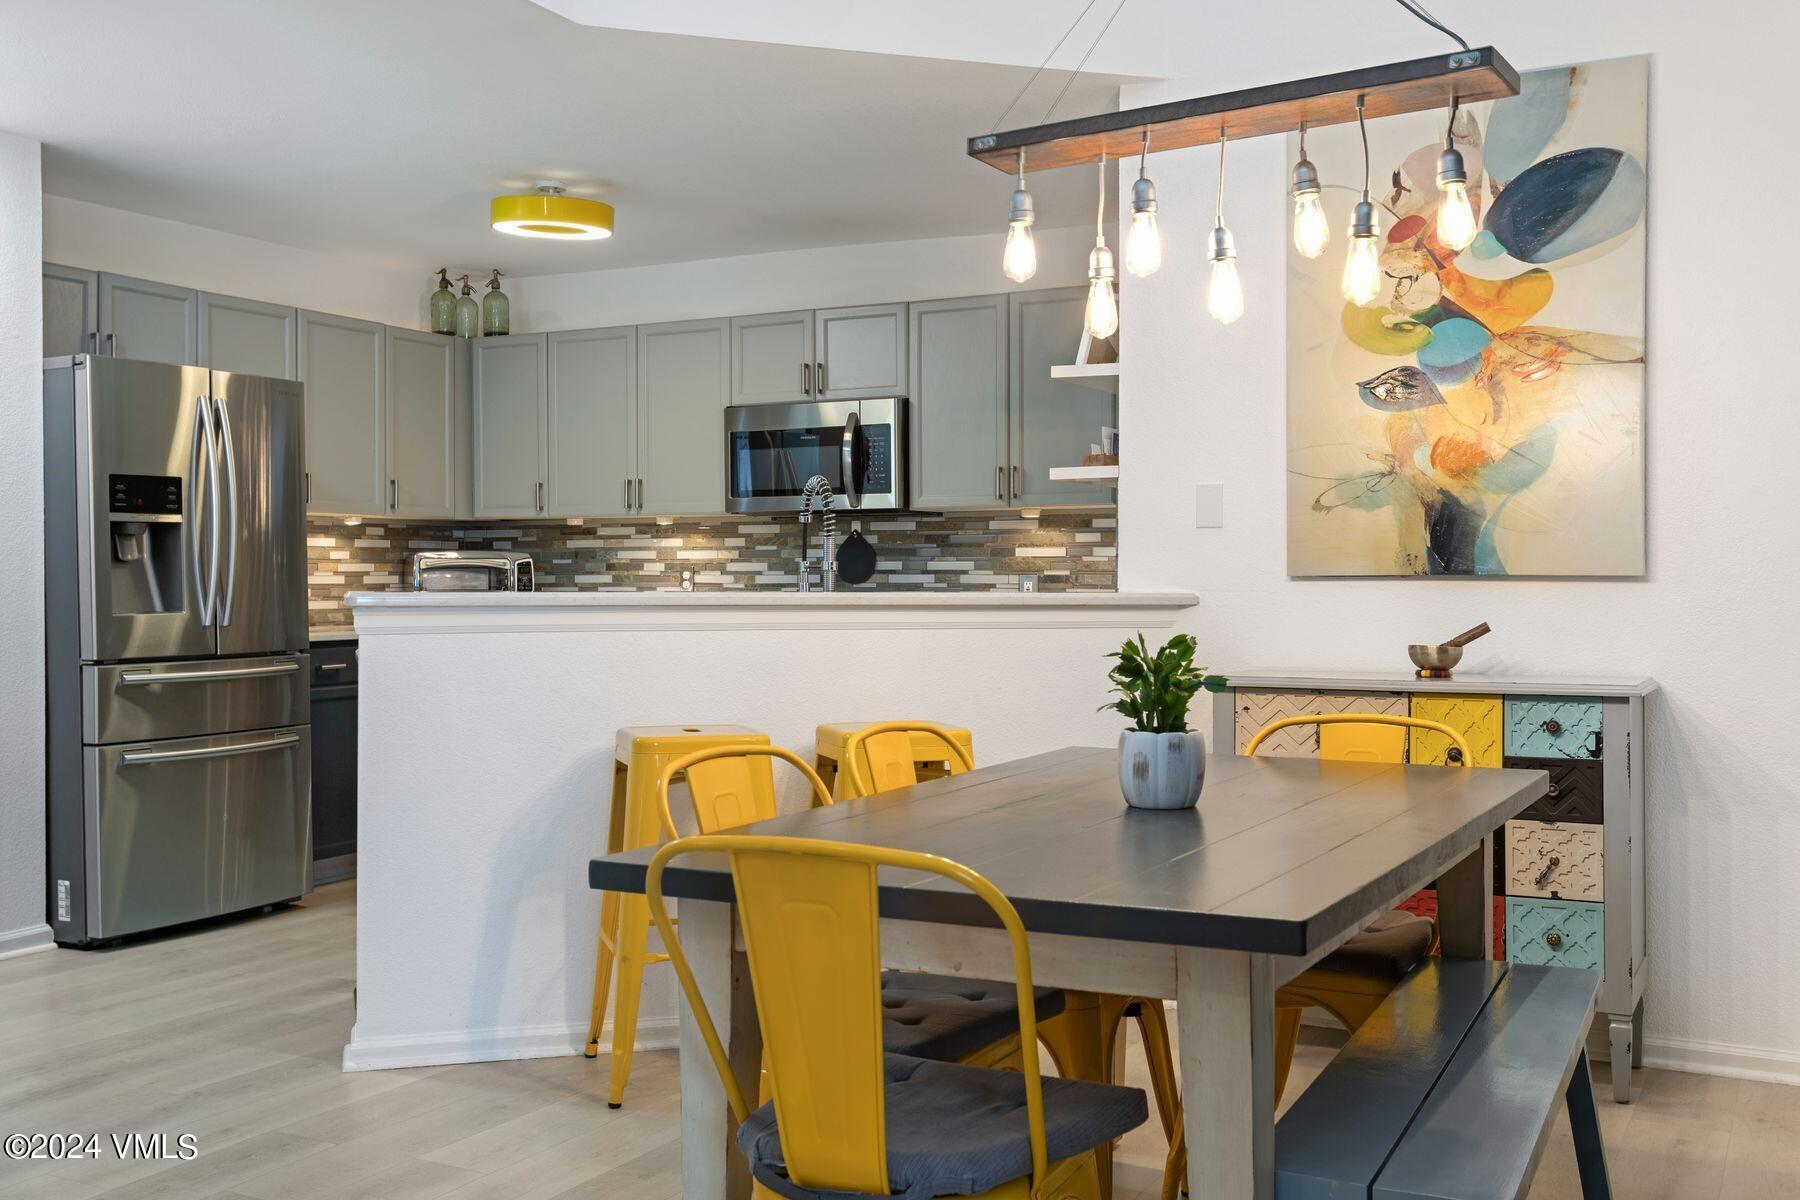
[
  {"x": 852, "y": 493},
  {"x": 231, "y": 501},
  {"x": 197, "y": 498}
]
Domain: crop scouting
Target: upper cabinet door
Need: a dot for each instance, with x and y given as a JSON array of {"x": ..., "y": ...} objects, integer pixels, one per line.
[
  {"x": 509, "y": 426},
  {"x": 684, "y": 380},
  {"x": 772, "y": 358},
  {"x": 861, "y": 351},
  {"x": 71, "y": 311},
  {"x": 1053, "y": 422},
  {"x": 151, "y": 321},
  {"x": 959, "y": 423},
  {"x": 341, "y": 364},
  {"x": 591, "y": 422},
  {"x": 248, "y": 337},
  {"x": 421, "y": 423}
]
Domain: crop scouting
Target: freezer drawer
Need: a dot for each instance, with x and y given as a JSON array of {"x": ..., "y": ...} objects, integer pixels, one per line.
[
  {"x": 148, "y": 701},
  {"x": 197, "y": 827}
]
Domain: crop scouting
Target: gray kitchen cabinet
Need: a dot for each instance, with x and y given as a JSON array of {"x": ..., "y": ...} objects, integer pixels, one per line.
[
  {"x": 1053, "y": 421},
  {"x": 249, "y": 336},
  {"x": 71, "y": 311},
  {"x": 420, "y": 423},
  {"x": 959, "y": 451},
  {"x": 154, "y": 321},
  {"x": 684, "y": 383},
  {"x": 590, "y": 422},
  {"x": 342, "y": 366},
  {"x": 772, "y": 358},
  {"x": 510, "y": 380},
  {"x": 860, "y": 352}
]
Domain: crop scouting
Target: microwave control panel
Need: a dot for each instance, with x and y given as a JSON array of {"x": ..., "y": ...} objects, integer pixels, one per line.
[{"x": 880, "y": 439}]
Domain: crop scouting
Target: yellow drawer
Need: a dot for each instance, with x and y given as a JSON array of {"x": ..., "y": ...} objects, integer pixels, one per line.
[{"x": 1480, "y": 719}]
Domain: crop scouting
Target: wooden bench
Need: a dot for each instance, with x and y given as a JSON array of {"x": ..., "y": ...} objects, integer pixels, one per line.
[{"x": 1449, "y": 1091}]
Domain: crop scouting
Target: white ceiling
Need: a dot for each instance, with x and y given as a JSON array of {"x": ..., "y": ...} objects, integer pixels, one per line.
[{"x": 380, "y": 130}]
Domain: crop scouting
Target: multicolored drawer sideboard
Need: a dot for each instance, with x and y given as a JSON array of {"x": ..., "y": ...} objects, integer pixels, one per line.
[{"x": 1569, "y": 870}]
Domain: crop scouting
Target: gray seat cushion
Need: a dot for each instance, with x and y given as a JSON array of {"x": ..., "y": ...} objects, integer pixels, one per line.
[
  {"x": 958, "y": 1131},
  {"x": 1390, "y": 947},
  {"x": 946, "y": 1018}
]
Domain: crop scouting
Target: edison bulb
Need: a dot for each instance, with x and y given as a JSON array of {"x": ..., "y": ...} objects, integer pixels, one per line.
[
  {"x": 1102, "y": 309},
  {"x": 1312, "y": 233},
  {"x": 1143, "y": 245},
  {"x": 1225, "y": 292},
  {"x": 1362, "y": 271},
  {"x": 1020, "y": 260},
  {"x": 1455, "y": 219}
]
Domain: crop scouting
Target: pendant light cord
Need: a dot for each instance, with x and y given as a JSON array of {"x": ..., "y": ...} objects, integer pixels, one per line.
[
  {"x": 1364, "y": 130},
  {"x": 1219, "y": 206},
  {"x": 1450, "y": 126},
  {"x": 1079, "y": 18},
  {"x": 1418, "y": 10},
  {"x": 1100, "y": 215},
  {"x": 1084, "y": 58},
  {"x": 1144, "y": 156}
]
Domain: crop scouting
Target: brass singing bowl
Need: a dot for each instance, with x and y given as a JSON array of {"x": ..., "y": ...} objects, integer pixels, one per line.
[{"x": 1435, "y": 658}]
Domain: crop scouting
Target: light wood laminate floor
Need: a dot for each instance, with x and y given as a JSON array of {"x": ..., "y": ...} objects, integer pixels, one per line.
[{"x": 232, "y": 1033}]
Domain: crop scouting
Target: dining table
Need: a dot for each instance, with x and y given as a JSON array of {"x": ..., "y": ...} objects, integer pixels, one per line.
[{"x": 1213, "y": 907}]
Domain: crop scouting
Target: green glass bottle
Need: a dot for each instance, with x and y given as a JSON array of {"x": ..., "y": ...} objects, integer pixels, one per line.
[
  {"x": 496, "y": 310},
  {"x": 443, "y": 305},
  {"x": 468, "y": 312}
]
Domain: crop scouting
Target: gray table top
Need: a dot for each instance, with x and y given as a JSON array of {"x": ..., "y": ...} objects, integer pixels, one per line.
[{"x": 1280, "y": 856}]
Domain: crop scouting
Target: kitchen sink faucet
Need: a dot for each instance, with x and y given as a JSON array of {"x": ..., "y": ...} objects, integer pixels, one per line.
[{"x": 816, "y": 487}]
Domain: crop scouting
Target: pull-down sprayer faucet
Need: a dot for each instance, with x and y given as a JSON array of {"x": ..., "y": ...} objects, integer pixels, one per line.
[{"x": 818, "y": 486}]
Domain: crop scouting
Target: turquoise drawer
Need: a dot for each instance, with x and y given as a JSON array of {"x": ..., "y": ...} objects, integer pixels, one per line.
[
  {"x": 1553, "y": 727},
  {"x": 1560, "y": 933}
]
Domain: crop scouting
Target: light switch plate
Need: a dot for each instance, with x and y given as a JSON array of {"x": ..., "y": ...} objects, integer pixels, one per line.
[{"x": 1209, "y": 506}]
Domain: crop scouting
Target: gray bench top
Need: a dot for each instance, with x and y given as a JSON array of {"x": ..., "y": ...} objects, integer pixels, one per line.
[{"x": 1447, "y": 1091}]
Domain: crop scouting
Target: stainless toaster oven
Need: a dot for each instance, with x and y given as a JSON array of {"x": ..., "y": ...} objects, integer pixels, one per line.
[
  {"x": 472, "y": 571},
  {"x": 859, "y": 446}
]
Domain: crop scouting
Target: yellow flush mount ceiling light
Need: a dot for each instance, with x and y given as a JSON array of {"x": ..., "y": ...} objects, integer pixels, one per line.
[{"x": 550, "y": 213}]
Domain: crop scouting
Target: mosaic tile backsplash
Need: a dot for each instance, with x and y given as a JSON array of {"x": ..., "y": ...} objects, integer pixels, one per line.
[{"x": 1065, "y": 551}]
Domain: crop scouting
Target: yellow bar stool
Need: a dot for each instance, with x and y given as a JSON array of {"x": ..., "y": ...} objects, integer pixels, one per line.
[
  {"x": 641, "y": 753},
  {"x": 1083, "y": 1037},
  {"x": 931, "y": 754}
]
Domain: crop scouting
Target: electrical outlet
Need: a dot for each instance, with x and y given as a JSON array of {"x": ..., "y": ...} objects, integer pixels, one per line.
[
  {"x": 1209, "y": 506},
  {"x": 687, "y": 579},
  {"x": 1028, "y": 583}
]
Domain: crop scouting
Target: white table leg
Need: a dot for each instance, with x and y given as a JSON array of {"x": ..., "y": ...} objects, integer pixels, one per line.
[
  {"x": 711, "y": 1167},
  {"x": 1466, "y": 904},
  {"x": 1226, "y": 1013}
]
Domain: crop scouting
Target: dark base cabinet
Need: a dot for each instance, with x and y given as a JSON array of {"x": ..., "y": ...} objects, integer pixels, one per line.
[{"x": 334, "y": 761}]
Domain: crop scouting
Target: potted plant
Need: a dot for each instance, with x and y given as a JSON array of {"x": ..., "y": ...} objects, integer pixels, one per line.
[{"x": 1161, "y": 761}]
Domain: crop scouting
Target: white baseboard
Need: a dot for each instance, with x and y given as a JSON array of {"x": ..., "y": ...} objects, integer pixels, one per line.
[
  {"x": 27, "y": 940},
  {"x": 531, "y": 1041},
  {"x": 1722, "y": 1058}
]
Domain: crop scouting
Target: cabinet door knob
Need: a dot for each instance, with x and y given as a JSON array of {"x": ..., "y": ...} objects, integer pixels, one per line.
[
  {"x": 1553, "y": 939},
  {"x": 1553, "y": 727}
]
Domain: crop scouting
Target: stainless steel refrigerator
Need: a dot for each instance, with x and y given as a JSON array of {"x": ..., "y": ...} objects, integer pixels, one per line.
[{"x": 179, "y": 773}]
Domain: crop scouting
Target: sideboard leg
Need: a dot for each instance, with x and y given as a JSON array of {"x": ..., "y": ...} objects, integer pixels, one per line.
[{"x": 1623, "y": 1056}]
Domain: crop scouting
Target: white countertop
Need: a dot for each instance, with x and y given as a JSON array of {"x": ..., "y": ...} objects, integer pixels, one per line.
[
  {"x": 331, "y": 633},
  {"x": 513, "y": 602}
]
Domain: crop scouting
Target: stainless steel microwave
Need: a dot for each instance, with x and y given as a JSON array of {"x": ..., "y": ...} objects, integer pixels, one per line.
[
  {"x": 472, "y": 571},
  {"x": 859, "y": 446}
]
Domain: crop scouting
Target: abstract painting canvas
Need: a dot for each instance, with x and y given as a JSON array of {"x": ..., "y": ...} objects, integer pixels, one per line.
[{"x": 1484, "y": 414}]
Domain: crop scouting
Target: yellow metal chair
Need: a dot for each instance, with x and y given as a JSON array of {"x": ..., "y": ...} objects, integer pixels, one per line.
[
  {"x": 1083, "y": 1042},
  {"x": 640, "y": 752},
  {"x": 932, "y": 756},
  {"x": 845, "y": 1117},
  {"x": 1351, "y": 982}
]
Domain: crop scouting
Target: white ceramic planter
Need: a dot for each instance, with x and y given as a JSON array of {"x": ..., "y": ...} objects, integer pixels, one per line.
[{"x": 1161, "y": 770}]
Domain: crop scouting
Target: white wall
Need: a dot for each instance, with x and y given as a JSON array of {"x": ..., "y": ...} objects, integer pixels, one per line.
[
  {"x": 1201, "y": 402},
  {"x": 883, "y": 272},
  {"x": 79, "y": 234},
  {"x": 22, "y": 550}
]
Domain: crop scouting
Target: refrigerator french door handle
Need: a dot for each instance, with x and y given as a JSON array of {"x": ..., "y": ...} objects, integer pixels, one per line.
[
  {"x": 280, "y": 742},
  {"x": 231, "y": 491},
  {"x": 206, "y": 588}
]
